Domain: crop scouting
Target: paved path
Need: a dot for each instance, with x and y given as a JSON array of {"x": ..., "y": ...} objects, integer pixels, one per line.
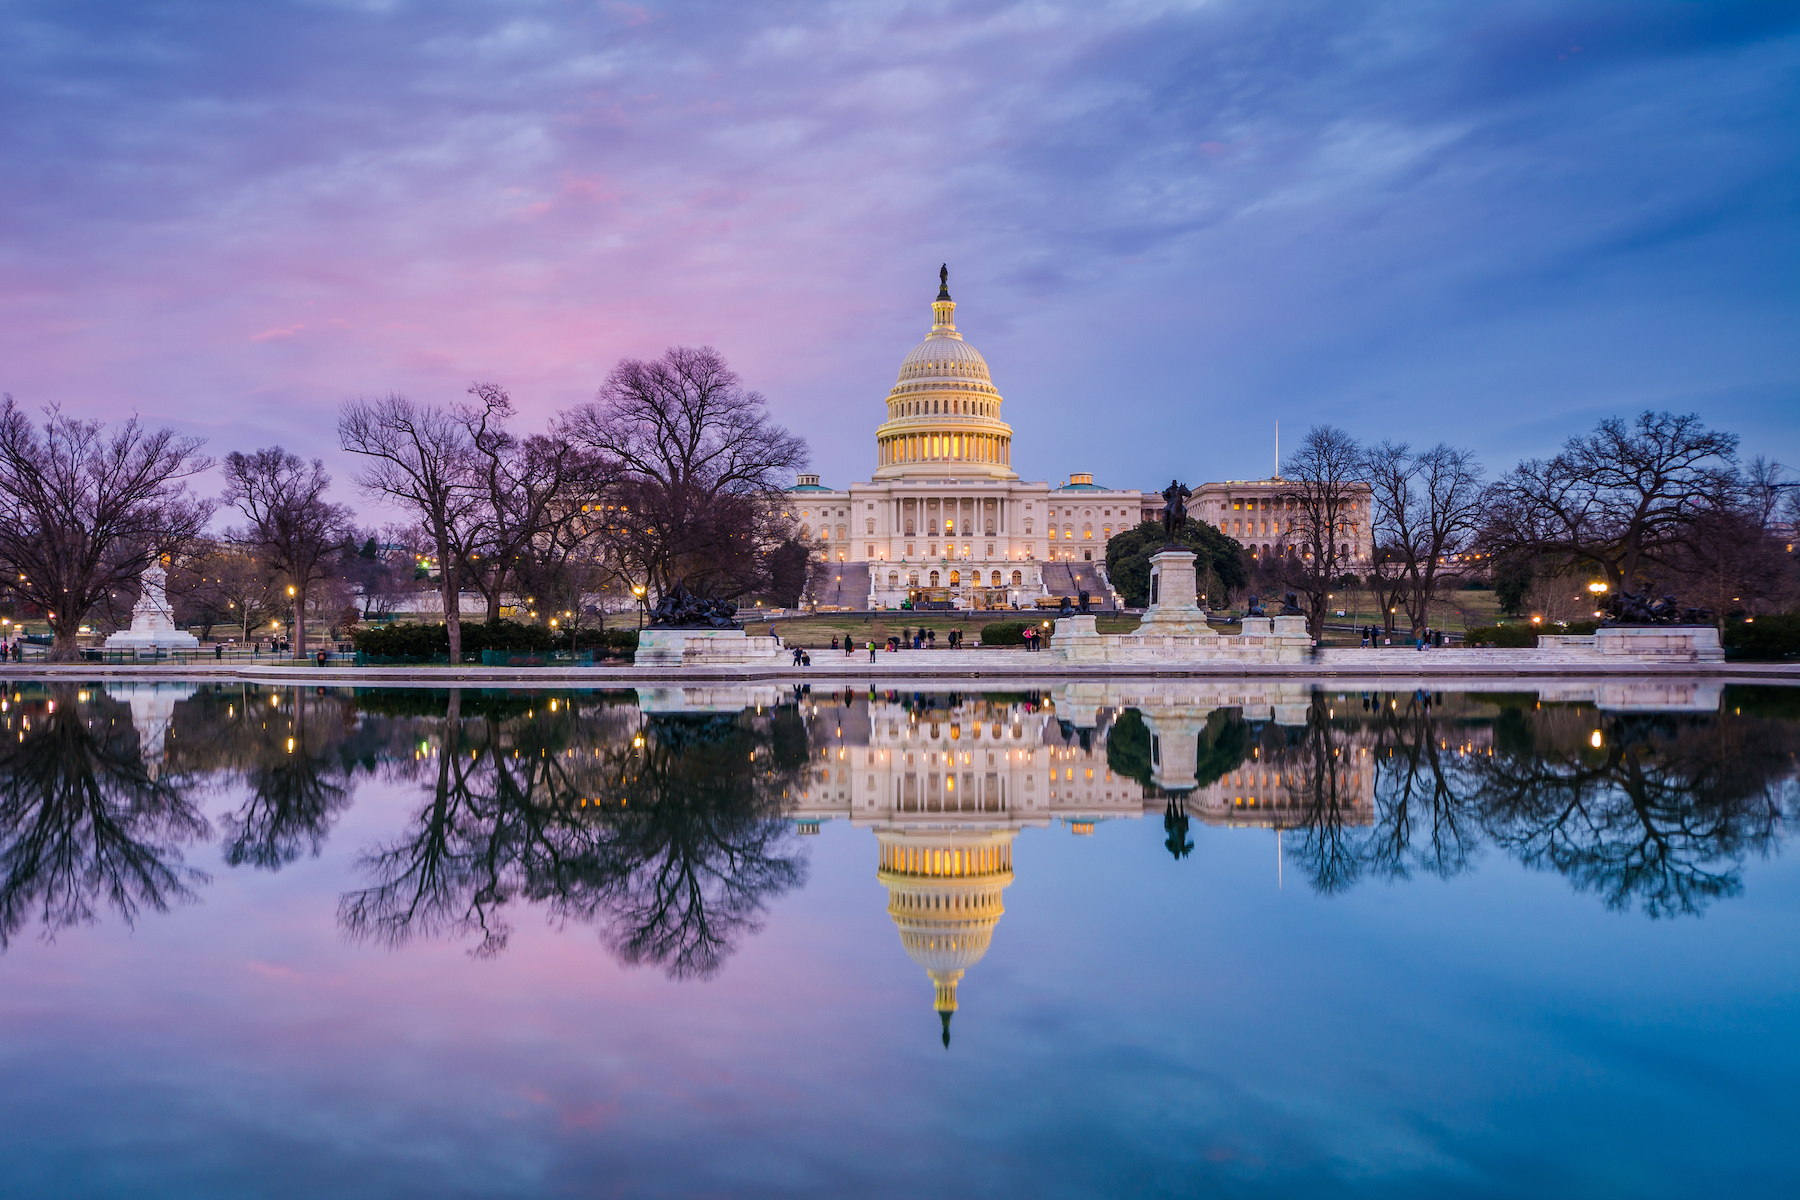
[{"x": 993, "y": 667}]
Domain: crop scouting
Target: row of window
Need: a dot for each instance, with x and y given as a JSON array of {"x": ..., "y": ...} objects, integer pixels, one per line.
[
  {"x": 933, "y": 579},
  {"x": 951, "y": 408}
]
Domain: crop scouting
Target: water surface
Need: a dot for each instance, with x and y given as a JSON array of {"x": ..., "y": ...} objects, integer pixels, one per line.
[{"x": 1148, "y": 938}]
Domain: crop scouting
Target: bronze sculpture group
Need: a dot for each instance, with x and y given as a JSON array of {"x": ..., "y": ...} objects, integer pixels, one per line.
[{"x": 681, "y": 609}]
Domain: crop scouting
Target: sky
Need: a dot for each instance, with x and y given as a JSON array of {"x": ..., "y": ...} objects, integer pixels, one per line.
[{"x": 1168, "y": 225}]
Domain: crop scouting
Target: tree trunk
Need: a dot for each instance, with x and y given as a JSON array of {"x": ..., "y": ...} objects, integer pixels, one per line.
[
  {"x": 453, "y": 615},
  {"x": 63, "y": 647},
  {"x": 300, "y": 621}
]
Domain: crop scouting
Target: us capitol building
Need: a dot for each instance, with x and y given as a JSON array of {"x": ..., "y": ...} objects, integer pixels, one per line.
[{"x": 946, "y": 511}]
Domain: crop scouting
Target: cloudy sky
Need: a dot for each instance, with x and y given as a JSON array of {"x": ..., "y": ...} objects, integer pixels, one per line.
[{"x": 1169, "y": 225}]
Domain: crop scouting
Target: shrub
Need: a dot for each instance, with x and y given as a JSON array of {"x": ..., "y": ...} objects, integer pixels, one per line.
[
  {"x": 1004, "y": 633},
  {"x": 1509, "y": 637},
  {"x": 1771, "y": 637}
]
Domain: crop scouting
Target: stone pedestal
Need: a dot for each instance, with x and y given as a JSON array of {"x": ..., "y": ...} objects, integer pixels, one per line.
[
  {"x": 1661, "y": 643},
  {"x": 1173, "y": 607},
  {"x": 1077, "y": 638},
  {"x": 702, "y": 647}
]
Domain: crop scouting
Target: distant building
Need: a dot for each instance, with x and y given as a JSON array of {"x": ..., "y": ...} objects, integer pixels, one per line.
[{"x": 1259, "y": 514}]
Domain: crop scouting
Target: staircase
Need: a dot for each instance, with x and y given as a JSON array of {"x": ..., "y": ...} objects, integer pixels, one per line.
[
  {"x": 1068, "y": 578},
  {"x": 846, "y": 585}
]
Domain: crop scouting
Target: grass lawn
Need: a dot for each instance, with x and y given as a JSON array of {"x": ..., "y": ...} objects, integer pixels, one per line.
[{"x": 1453, "y": 611}]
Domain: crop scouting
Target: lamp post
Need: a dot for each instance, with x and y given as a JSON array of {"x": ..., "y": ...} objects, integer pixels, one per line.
[
  {"x": 1597, "y": 590},
  {"x": 638, "y": 591},
  {"x": 298, "y": 616}
]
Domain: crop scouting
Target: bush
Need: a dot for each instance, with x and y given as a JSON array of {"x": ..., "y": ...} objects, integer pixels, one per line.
[
  {"x": 1004, "y": 633},
  {"x": 1772, "y": 637},
  {"x": 1509, "y": 637}
]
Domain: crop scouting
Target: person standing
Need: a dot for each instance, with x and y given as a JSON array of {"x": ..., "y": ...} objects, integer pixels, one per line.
[{"x": 871, "y": 649}]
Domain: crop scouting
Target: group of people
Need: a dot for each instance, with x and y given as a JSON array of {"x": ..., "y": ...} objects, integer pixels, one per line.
[
  {"x": 14, "y": 649},
  {"x": 916, "y": 639},
  {"x": 1425, "y": 639}
]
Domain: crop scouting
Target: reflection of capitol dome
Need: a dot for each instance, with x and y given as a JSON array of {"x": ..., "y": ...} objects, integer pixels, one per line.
[
  {"x": 944, "y": 895},
  {"x": 943, "y": 410}
]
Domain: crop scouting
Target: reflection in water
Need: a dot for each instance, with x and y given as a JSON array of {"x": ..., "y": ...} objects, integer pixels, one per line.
[
  {"x": 88, "y": 816},
  {"x": 290, "y": 751},
  {"x": 1654, "y": 812},
  {"x": 667, "y": 831},
  {"x": 667, "y": 819}
]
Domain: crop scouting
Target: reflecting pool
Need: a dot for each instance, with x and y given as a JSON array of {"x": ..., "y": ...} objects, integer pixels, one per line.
[{"x": 1158, "y": 938}]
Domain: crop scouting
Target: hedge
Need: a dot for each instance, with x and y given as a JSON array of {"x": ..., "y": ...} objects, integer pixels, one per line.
[
  {"x": 1770, "y": 637},
  {"x": 428, "y": 641},
  {"x": 1004, "y": 633},
  {"x": 1509, "y": 637}
]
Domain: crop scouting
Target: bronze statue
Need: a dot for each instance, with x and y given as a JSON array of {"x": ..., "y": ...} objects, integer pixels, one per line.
[
  {"x": 1174, "y": 508},
  {"x": 944, "y": 282},
  {"x": 681, "y": 609}
]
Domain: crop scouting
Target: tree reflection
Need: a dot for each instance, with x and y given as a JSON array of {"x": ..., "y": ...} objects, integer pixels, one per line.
[
  {"x": 1655, "y": 813},
  {"x": 1652, "y": 812},
  {"x": 84, "y": 823},
  {"x": 667, "y": 832},
  {"x": 1330, "y": 848},
  {"x": 290, "y": 749}
]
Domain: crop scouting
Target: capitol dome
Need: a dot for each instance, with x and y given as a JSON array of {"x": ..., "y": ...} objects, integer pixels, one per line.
[{"x": 943, "y": 412}]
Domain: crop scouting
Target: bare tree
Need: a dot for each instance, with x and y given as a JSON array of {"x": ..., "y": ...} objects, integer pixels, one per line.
[
  {"x": 1619, "y": 498},
  {"x": 292, "y": 526},
  {"x": 695, "y": 461},
  {"x": 421, "y": 457},
  {"x": 84, "y": 511},
  {"x": 1322, "y": 481},
  {"x": 1427, "y": 507},
  {"x": 532, "y": 489}
]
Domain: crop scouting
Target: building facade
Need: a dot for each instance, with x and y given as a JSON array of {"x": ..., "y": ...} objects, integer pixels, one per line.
[
  {"x": 944, "y": 511},
  {"x": 1259, "y": 514}
]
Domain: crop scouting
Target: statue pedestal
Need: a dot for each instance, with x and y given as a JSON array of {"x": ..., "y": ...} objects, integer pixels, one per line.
[
  {"x": 1661, "y": 643},
  {"x": 1077, "y": 638},
  {"x": 702, "y": 648},
  {"x": 1174, "y": 608}
]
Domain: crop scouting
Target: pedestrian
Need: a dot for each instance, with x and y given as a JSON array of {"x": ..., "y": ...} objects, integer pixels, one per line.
[
  {"x": 805, "y": 659},
  {"x": 834, "y": 641},
  {"x": 796, "y": 656},
  {"x": 849, "y": 646},
  {"x": 871, "y": 649},
  {"x": 219, "y": 650}
]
